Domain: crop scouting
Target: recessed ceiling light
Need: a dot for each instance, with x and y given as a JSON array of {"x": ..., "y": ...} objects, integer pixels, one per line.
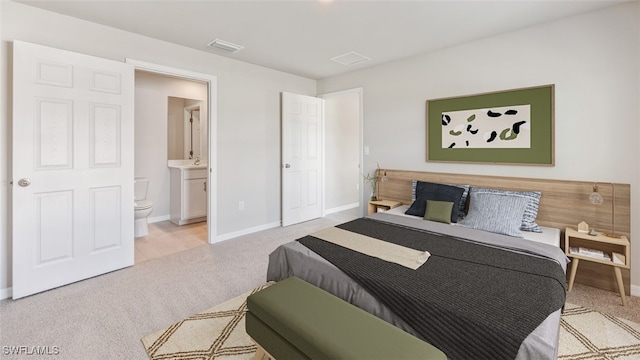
[
  {"x": 225, "y": 45},
  {"x": 350, "y": 58}
]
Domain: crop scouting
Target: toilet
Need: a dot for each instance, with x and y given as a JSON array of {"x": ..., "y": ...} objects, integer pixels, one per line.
[{"x": 142, "y": 206}]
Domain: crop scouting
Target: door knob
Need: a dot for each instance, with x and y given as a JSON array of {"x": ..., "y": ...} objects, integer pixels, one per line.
[
  {"x": 286, "y": 166},
  {"x": 24, "y": 182}
]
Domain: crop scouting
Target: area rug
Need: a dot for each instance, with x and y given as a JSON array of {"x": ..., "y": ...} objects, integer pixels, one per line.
[
  {"x": 216, "y": 333},
  {"x": 219, "y": 333},
  {"x": 588, "y": 334}
]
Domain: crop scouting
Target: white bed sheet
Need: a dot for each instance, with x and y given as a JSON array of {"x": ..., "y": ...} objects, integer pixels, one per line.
[{"x": 549, "y": 235}]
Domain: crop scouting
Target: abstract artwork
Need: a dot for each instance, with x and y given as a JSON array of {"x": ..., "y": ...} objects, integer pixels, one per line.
[
  {"x": 502, "y": 127},
  {"x": 506, "y": 127}
]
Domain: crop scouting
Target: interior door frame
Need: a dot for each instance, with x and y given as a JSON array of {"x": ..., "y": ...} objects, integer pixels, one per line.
[
  {"x": 360, "y": 92},
  {"x": 212, "y": 129}
]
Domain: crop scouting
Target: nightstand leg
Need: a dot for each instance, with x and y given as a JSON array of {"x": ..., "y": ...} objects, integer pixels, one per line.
[
  {"x": 620, "y": 285},
  {"x": 574, "y": 269}
]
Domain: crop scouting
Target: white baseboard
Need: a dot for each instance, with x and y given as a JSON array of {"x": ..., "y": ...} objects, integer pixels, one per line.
[
  {"x": 635, "y": 290},
  {"x": 248, "y": 231},
  {"x": 6, "y": 293},
  {"x": 156, "y": 219},
  {"x": 272, "y": 225},
  {"x": 341, "y": 208}
]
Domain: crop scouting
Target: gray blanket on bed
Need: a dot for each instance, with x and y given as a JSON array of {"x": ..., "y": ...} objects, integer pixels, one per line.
[{"x": 469, "y": 300}]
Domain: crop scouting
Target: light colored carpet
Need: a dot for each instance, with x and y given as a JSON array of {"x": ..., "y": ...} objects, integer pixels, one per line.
[
  {"x": 219, "y": 333},
  {"x": 607, "y": 302}
]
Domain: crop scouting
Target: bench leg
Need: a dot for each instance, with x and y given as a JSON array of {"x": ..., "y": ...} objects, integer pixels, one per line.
[{"x": 262, "y": 354}]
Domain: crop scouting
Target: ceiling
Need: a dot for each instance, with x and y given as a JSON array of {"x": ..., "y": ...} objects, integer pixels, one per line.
[{"x": 301, "y": 37}]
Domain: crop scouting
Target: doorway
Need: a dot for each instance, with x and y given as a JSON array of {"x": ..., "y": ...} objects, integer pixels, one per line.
[
  {"x": 334, "y": 122},
  {"x": 84, "y": 204},
  {"x": 343, "y": 155},
  {"x": 208, "y": 128}
]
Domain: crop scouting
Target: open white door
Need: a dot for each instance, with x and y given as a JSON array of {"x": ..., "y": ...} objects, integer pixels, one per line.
[
  {"x": 72, "y": 167},
  {"x": 302, "y": 124}
]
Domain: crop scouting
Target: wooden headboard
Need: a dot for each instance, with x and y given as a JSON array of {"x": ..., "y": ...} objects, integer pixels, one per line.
[{"x": 563, "y": 204}]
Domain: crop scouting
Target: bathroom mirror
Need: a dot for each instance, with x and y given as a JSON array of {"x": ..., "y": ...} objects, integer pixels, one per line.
[{"x": 185, "y": 129}]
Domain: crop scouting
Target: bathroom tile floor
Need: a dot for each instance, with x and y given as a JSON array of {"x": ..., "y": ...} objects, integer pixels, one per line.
[{"x": 167, "y": 238}]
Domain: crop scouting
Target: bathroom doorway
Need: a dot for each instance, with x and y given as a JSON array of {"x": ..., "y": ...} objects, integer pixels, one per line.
[{"x": 152, "y": 138}]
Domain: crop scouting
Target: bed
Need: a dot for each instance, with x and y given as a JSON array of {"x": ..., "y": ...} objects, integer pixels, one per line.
[{"x": 309, "y": 259}]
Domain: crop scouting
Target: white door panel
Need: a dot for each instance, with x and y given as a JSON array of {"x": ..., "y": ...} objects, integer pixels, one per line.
[
  {"x": 73, "y": 141},
  {"x": 302, "y": 124}
]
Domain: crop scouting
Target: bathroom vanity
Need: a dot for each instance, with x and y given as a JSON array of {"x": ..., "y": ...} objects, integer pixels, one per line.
[{"x": 188, "y": 199}]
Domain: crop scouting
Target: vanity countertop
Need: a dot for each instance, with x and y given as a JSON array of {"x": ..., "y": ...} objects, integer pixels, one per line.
[{"x": 185, "y": 164}]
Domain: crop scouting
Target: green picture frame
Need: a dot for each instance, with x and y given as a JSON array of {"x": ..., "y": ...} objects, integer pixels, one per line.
[{"x": 540, "y": 146}]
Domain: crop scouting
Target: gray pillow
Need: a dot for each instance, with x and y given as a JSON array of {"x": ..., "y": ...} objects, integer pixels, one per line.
[
  {"x": 495, "y": 212},
  {"x": 531, "y": 211}
]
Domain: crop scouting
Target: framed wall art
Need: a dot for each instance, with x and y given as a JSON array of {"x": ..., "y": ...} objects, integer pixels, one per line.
[{"x": 506, "y": 127}]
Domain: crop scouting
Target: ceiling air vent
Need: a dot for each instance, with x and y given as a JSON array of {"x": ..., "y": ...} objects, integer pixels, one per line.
[
  {"x": 350, "y": 58},
  {"x": 225, "y": 45}
]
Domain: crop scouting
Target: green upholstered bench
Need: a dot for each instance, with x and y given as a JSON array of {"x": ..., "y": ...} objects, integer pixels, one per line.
[{"x": 293, "y": 319}]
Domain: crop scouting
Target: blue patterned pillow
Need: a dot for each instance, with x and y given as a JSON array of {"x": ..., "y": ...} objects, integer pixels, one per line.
[
  {"x": 463, "y": 199},
  {"x": 434, "y": 191},
  {"x": 495, "y": 212},
  {"x": 531, "y": 211}
]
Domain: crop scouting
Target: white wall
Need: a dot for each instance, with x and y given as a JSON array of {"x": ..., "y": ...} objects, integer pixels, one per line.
[
  {"x": 342, "y": 149},
  {"x": 151, "y": 131},
  {"x": 248, "y": 112},
  {"x": 593, "y": 59}
]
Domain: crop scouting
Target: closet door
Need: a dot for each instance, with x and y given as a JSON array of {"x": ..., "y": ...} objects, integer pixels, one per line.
[{"x": 302, "y": 138}]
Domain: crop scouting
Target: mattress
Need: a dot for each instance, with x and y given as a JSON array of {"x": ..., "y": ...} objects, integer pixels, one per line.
[{"x": 295, "y": 259}]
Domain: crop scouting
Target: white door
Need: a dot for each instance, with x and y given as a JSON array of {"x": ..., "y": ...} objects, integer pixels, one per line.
[
  {"x": 72, "y": 167},
  {"x": 302, "y": 124}
]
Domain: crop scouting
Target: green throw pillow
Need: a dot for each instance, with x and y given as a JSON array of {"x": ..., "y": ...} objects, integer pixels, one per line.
[{"x": 439, "y": 211}]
